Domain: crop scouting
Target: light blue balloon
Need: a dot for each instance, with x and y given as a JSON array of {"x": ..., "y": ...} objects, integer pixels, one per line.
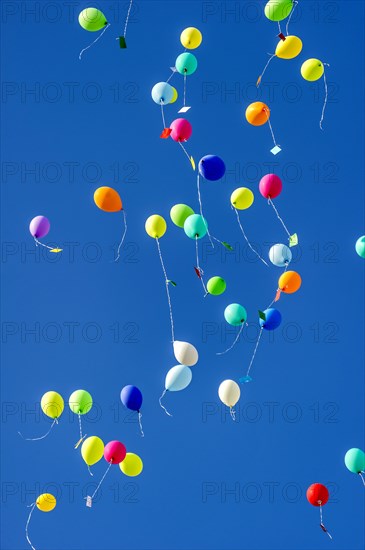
[
  {"x": 235, "y": 314},
  {"x": 178, "y": 378},
  {"x": 186, "y": 63},
  {"x": 195, "y": 226},
  {"x": 280, "y": 255},
  {"x": 162, "y": 93}
]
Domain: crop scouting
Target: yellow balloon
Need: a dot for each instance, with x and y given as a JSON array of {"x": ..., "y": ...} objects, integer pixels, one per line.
[
  {"x": 132, "y": 465},
  {"x": 289, "y": 48},
  {"x": 46, "y": 502},
  {"x": 155, "y": 226},
  {"x": 242, "y": 198},
  {"x": 175, "y": 96},
  {"x": 312, "y": 69},
  {"x": 52, "y": 404},
  {"x": 191, "y": 38},
  {"x": 92, "y": 450}
]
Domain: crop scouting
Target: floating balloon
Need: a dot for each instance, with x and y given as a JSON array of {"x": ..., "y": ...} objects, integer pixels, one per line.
[
  {"x": 288, "y": 47},
  {"x": 318, "y": 495},
  {"x": 108, "y": 200},
  {"x": 179, "y": 213},
  {"x": 235, "y": 315},
  {"x": 186, "y": 63},
  {"x": 272, "y": 319},
  {"x": 257, "y": 114},
  {"x": 181, "y": 131},
  {"x": 39, "y": 227},
  {"x": 92, "y": 20},
  {"x": 280, "y": 255},
  {"x": 229, "y": 393},
  {"x": 162, "y": 93},
  {"x": 216, "y": 286},
  {"x": 131, "y": 398},
  {"x": 195, "y": 226},
  {"x": 175, "y": 95},
  {"x": 191, "y": 38},
  {"x": 185, "y": 353},
  {"x": 114, "y": 453},
  {"x": 355, "y": 462},
  {"x": 270, "y": 186},
  {"x": 242, "y": 198},
  {"x": 212, "y": 167},
  {"x": 277, "y": 10},
  {"x": 52, "y": 405},
  {"x": 312, "y": 70},
  {"x": 92, "y": 450},
  {"x": 290, "y": 282},
  {"x": 178, "y": 378},
  {"x": 80, "y": 402},
  {"x": 45, "y": 503},
  {"x": 155, "y": 226},
  {"x": 132, "y": 465},
  {"x": 360, "y": 246}
]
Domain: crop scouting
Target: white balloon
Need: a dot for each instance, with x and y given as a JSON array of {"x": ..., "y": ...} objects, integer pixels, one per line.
[
  {"x": 280, "y": 255},
  {"x": 185, "y": 353},
  {"x": 178, "y": 378},
  {"x": 229, "y": 392}
]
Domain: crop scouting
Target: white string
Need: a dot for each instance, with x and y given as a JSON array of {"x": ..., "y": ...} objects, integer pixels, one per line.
[
  {"x": 279, "y": 27},
  {"x": 170, "y": 77},
  {"x": 163, "y": 115},
  {"x": 198, "y": 266},
  {"x": 90, "y": 472},
  {"x": 123, "y": 237},
  {"x": 325, "y": 96},
  {"x": 167, "y": 290},
  {"x": 140, "y": 423},
  {"x": 27, "y": 524},
  {"x": 92, "y": 43},
  {"x": 37, "y": 242},
  {"x": 127, "y": 18},
  {"x": 201, "y": 208},
  {"x": 278, "y": 216},
  {"x": 248, "y": 242},
  {"x": 290, "y": 16},
  {"x": 55, "y": 421},
  {"x": 234, "y": 343},
  {"x": 232, "y": 413},
  {"x": 184, "y": 88},
  {"x": 161, "y": 405},
  {"x": 185, "y": 151},
  {"x": 101, "y": 481},
  {"x": 271, "y": 130},
  {"x": 266, "y": 66},
  {"x": 362, "y": 477},
  {"x": 255, "y": 350},
  {"x": 322, "y": 524}
]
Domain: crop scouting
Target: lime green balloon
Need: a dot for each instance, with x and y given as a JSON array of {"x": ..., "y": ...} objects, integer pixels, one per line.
[
  {"x": 277, "y": 10},
  {"x": 179, "y": 213},
  {"x": 186, "y": 63},
  {"x": 360, "y": 246},
  {"x": 235, "y": 314},
  {"x": 92, "y": 19},
  {"x": 355, "y": 460},
  {"x": 80, "y": 402},
  {"x": 216, "y": 286}
]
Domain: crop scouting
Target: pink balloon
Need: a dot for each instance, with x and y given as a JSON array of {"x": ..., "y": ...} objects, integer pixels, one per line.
[
  {"x": 39, "y": 227},
  {"x": 114, "y": 452},
  {"x": 270, "y": 186},
  {"x": 181, "y": 129}
]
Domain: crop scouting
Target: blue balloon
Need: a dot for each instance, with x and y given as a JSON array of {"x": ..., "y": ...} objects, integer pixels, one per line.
[
  {"x": 273, "y": 319},
  {"x": 212, "y": 167},
  {"x": 131, "y": 398}
]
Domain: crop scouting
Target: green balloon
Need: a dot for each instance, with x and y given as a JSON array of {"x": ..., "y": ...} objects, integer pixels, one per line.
[
  {"x": 277, "y": 10},
  {"x": 360, "y": 246},
  {"x": 80, "y": 402},
  {"x": 179, "y": 213},
  {"x": 186, "y": 63},
  {"x": 195, "y": 226},
  {"x": 92, "y": 19},
  {"x": 216, "y": 286},
  {"x": 355, "y": 460},
  {"x": 235, "y": 314}
]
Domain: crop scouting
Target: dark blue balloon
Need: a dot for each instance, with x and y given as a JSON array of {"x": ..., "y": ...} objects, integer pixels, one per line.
[
  {"x": 131, "y": 398},
  {"x": 212, "y": 167},
  {"x": 273, "y": 319}
]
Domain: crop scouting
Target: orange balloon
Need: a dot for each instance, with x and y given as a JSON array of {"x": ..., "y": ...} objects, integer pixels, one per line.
[
  {"x": 257, "y": 113},
  {"x": 290, "y": 282},
  {"x": 107, "y": 199}
]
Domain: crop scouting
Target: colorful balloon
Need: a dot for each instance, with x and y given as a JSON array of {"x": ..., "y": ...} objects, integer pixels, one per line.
[
  {"x": 131, "y": 398},
  {"x": 155, "y": 226},
  {"x": 355, "y": 460},
  {"x": 277, "y": 10},
  {"x": 360, "y": 246},
  {"x": 92, "y": 19},
  {"x": 212, "y": 167},
  {"x": 216, "y": 286},
  {"x": 46, "y": 502},
  {"x": 181, "y": 129},
  {"x": 312, "y": 70},
  {"x": 185, "y": 353},
  {"x": 186, "y": 63},
  {"x": 132, "y": 465},
  {"x": 162, "y": 93},
  {"x": 242, "y": 198},
  {"x": 290, "y": 282},
  {"x": 317, "y": 494},
  {"x": 92, "y": 450},
  {"x": 289, "y": 48},
  {"x": 280, "y": 255},
  {"x": 108, "y": 199},
  {"x": 52, "y": 404},
  {"x": 80, "y": 402},
  {"x": 235, "y": 315},
  {"x": 39, "y": 227},
  {"x": 270, "y": 186},
  {"x": 273, "y": 319},
  {"x": 195, "y": 226},
  {"x": 178, "y": 378},
  {"x": 257, "y": 113},
  {"x": 114, "y": 452},
  {"x": 179, "y": 213},
  {"x": 191, "y": 38},
  {"x": 229, "y": 393},
  {"x": 175, "y": 95}
]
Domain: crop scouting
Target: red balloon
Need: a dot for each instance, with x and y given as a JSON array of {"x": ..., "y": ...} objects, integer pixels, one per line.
[
  {"x": 114, "y": 452},
  {"x": 317, "y": 494},
  {"x": 270, "y": 186},
  {"x": 181, "y": 129}
]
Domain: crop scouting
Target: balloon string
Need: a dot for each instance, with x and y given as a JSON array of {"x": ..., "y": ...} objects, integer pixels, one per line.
[
  {"x": 123, "y": 237},
  {"x": 278, "y": 216},
  {"x": 325, "y": 97},
  {"x": 92, "y": 43},
  {"x": 254, "y": 352},
  {"x": 140, "y": 423},
  {"x": 163, "y": 114},
  {"x": 234, "y": 343},
  {"x": 167, "y": 290},
  {"x": 295, "y": 3},
  {"x": 201, "y": 272},
  {"x": 82, "y": 437},
  {"x": 27, "y": 524},
  {"x": 232, "y": 412},
  {"x": 266, "y": 66},
  {"x": 127, "y": 18},
  {"x": 185, "y": 151},
  {"x": 161, "y": 405},
  {"x": 37, "y": 242},
  {"x": 271, "y": 130},
  {"x": 184, "y": 89},
  {"x": 90, "y": 472},
  {"x": 55, "y": 421},
  {"x": 322, "y": 524},
  {"x": 362, "y": 477},
  {"x": 101, "y": 481},
  {"x": 279, "y": 27},
  {"x": 244, "y": 234},
  {"x": 201, "y": 208},
  {"x": 171, "y": 75}
]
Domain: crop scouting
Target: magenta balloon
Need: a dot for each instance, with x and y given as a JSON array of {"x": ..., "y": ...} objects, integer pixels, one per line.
[
  {"x": 181, "y": 129},
  {"x": 270, "y": 186},
  {"x": 114, "y": 452},
  {"x": 39, "y": 227}
]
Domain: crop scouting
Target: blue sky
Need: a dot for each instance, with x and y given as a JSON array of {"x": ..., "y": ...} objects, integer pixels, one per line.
[{"x": 100, "y": 325}]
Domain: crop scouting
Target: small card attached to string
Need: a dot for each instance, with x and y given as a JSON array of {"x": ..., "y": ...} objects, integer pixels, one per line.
[
  {"x": 165, "y": 133},
  {"x": 80, "y": 441},
  {"x": 262, "y": 315},
  {"x": 171, "y": 282},
  {"x": 192, "y": 162},
  {"x": 89, "y": 502},
  {"x": 245, "y": 379},
  {"x": 281, "y": 36},
  {"x": 184, "y": 109},
  {"x": 198, "y": 271},
  {"x": 275, "y": 150},
  {"x": 56, "y": 250},
  {"x": 277, "y": 295},
  {"x": 173, "y": 69},
  {"x": 293, "y": 240},
  {"x": 258, "y": 81},
  {"x": 228, "y": 246},
  {"x": 122, "y": 42}
]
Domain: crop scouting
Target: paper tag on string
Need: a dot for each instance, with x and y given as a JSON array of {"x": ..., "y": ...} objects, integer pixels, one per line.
[
  {"x": 122, "y": 42},
  {"x": 197, "y": 271},
  {"x": 55, "y": 250},
  {"x": 277, "y": 295},
  {"x": 184, "y": 109},
  {"x": 245, "y": 379},
  {"x": 173, "y": 69},
  {"x": 171, "y": 282},
  {"x": 275, "y": 150},
  {"x": 258, "y": 81},
  {"x": 89, "y": 502},
  {"x": 192, "y": 162},
  {"x": 262, "y": 315},
  {"x": 165, "y": 133},
  {"x": 293, "y": 240},
  {"x": 282, "y": 37},
  {"x": 226, "y": 245}
]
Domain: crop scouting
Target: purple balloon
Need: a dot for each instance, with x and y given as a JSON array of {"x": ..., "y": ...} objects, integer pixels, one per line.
[{"x": 39, "y": 227}]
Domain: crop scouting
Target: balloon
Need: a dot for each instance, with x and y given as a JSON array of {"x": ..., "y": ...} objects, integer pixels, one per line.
[
  {"x": 114, "y": 452},
  {"x": 212, "y": 167},
  {"x": 108, "y": 199},
  {"x": 360, "y": 246},
  {"x": 229, "y": 393},
  {"x": 312, "y": 69},
  {"x": 155, "y": 226},
  {"x": 277, "y": 10},
  {"x": 181, "y": 129},
  {"x": 39, "y": 227},
  {"x": 273, "y": 319},
  {"x": 46, "y": 502},
  {"x": 317, "y": 494},
  {"x": 80, "y": 402},
  {"x": 242, "y": 198},
  {"x": 280, "y": 255},
  {"x": 186, "y": 63},
  {"x": 92, "y": 450},
  {"x": 52, "y": 404},
  {"x": 235, "y": 314},
  {"x": 175, "y": 95},
  {"x": 290, "y": 282},
  {"x": 355, "y": 460},
  {"x": 195, "y": 226},
  {"x": 179, "y": 213},
  {"x": 289, "y": 48},
  {"x": 92, "y": 19},
  {"x": 185, "y": 353},
  {"x": 191, "y": 38},
  {"x": 257, "y": 113},
  {"x": 131, "y": 398},
  {"x": 178, "y": 378},
  {"x": 270, "y": 186},
  {"x": 132, "y": 465},
  {"x": 162, "y": 93},
  {"x": 216, "y": 286}
]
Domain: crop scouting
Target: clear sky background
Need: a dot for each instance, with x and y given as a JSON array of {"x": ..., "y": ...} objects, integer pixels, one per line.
[{"x": 208, "y": 483}]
